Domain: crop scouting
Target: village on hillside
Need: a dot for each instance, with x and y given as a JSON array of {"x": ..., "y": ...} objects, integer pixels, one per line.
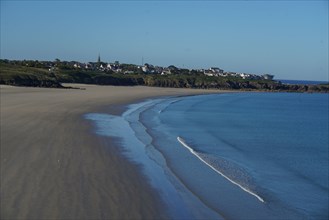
[
  {"x": 151, "y": 69},
  {"x": 145, "y": 68}
]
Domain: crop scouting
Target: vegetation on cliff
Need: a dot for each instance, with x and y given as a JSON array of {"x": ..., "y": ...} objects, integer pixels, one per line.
[
  {"x": 18, "y": 75},
  {"x": 39, "y": 74}
]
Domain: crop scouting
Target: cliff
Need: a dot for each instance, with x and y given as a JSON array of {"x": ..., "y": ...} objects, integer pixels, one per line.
[{"x": 40, "y": 77}]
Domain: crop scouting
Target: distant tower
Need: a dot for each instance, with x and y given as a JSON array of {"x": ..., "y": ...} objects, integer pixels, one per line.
[{"x": 99, "y": 59}]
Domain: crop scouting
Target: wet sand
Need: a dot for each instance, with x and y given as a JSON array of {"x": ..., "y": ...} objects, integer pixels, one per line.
[{"x": 54, "y": 167}]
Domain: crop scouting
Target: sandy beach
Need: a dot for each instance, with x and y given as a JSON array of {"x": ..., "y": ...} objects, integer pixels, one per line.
[{"x": 53, "y": 166}]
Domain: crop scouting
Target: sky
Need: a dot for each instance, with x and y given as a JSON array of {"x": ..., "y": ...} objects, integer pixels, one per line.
[{"x": 288, "y": 39}]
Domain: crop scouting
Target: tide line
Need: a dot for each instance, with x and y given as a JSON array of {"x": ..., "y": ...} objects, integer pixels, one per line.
[{"x": 180, "y": 140}]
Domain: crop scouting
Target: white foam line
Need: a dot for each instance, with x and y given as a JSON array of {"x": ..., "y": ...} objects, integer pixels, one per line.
[{"x": 180, "y": 140}]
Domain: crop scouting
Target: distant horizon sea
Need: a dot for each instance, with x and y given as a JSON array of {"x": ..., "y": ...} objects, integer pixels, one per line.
[
  {"x": 302, "y": 82},
  {"x": 230, "y": 156}
]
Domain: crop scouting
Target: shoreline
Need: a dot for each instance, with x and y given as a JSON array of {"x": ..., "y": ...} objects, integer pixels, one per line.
[
  {"x": 54, "y": 166},
  {"x": 139, "y": 124},
  {"x": 136, "y": 145},
  {"x": 192, "y": 201}
]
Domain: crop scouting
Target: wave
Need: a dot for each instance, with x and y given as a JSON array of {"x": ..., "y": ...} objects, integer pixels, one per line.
[
  {"x": 168, "y": 104},
  {"x": 182, "y": 142}
]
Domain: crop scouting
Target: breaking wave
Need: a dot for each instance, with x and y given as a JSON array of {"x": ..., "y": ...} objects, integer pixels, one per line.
[{"x": 209, "y": 164}]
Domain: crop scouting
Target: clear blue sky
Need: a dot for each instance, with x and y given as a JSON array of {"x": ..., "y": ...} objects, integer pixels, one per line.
[{"x": 286, "y": 38}]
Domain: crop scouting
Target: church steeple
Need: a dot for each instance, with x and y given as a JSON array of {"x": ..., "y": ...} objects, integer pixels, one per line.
[{"x": 99, "y": 59}]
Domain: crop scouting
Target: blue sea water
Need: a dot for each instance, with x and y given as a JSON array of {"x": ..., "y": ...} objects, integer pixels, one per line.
[
  {"x": 235, "y": 156},
  {"x": 302, "y": 82}
]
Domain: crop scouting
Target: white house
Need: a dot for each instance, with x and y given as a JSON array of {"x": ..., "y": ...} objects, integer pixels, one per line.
[
  {"x": 216, "y": 70},
  {"x": 210, "y": 73},
  {"x": 268, "y": 76},
  {"x": 166, "y": 71},
  {"x": 145, "y": 69}
]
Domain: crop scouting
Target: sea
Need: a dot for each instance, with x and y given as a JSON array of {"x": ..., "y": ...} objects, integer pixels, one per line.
[
  {"x": 230, "y": 156},
  {"x": 302, "y": 82}
]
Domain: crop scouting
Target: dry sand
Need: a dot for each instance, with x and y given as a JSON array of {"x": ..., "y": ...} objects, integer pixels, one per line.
[{"x": 54, "y": 167}]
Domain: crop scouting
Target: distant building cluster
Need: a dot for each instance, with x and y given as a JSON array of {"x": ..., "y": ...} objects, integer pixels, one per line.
[
  {"x": 146, "y": 68},
  {"x": 150, "y": 69}
]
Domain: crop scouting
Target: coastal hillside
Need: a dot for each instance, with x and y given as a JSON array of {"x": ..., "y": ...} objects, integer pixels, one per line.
[
  {"x": 48, "y": 74},
  {"x": 19, "y": 75}
]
